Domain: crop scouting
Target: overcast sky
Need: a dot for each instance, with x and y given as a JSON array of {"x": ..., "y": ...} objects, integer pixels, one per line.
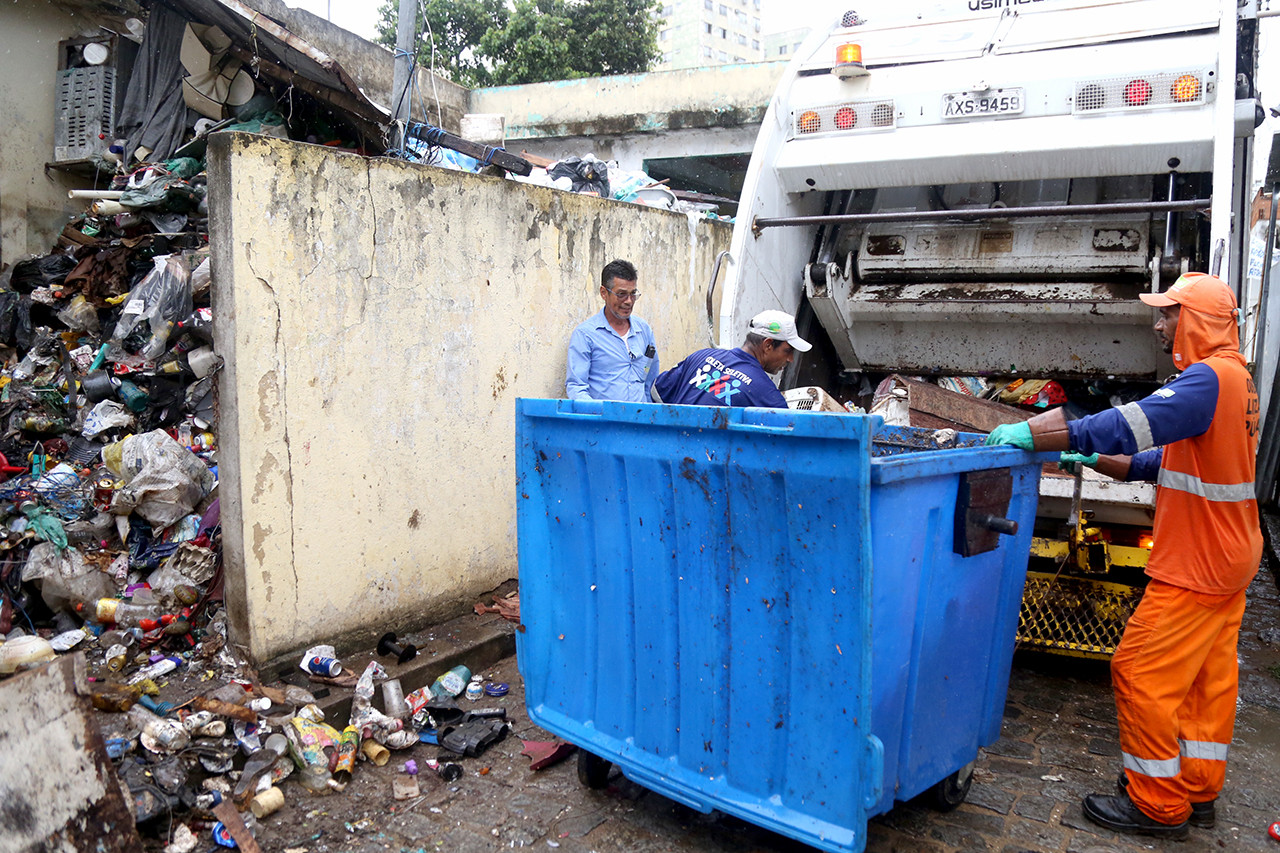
[{"x": 361, "y": 16}]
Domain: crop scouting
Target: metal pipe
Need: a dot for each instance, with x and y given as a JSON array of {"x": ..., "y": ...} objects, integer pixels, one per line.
[
  {"x": 711, "y": 290},
  {"x": 1264, "y": 289},
  {"x": 987, "y": 213},
  {"x": 1168, "y": 219}
]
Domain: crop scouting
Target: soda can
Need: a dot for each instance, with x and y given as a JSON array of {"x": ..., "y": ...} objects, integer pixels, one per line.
[{"x": 324, "y": 666}]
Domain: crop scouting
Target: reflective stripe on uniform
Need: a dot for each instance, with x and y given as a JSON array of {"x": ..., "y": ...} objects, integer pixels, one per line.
[
  {"x": 1205, "y": 749},
  {"x": 1225, "y": 492},
  {"x": 1164, "y": 768},
  {"x": 1138, "y": 423}
]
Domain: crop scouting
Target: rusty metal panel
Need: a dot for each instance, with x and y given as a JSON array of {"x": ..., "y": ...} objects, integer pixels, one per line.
[
  {"x": 1072, "y": 248},
  {"x": 58, "y": 790}
]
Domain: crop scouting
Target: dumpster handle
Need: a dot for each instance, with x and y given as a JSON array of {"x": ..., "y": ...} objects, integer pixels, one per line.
[{"x": 875, "y": 763}]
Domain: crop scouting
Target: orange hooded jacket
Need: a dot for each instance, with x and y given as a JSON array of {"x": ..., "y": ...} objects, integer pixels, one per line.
[{"x": 1207, "y": 534}]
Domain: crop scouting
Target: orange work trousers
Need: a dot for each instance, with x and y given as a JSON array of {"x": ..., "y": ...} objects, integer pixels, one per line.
[{"x": 1176, "y": 677}]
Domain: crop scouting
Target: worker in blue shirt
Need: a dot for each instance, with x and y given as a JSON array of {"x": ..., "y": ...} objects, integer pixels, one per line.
[
  {"x": 613, "y": 355},
  {"x": 737, "y": 377}
]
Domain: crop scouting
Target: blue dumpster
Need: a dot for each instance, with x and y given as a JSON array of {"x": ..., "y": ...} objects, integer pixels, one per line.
[{"x": 794, "y": 618}]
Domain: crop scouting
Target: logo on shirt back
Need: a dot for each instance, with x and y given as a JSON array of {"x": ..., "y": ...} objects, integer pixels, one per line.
[
  {"x": 719, "y": 381},
  {"x": 1164, "y": 392}
]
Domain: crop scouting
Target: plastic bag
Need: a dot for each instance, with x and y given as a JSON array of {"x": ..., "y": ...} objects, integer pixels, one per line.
[
  {"x": 108, "y": 414},
  {"x": 47, "y": 271},
  {"x": 65, "y": 578},
  {"x": 200, "y": 278},
  {"x": 588, "y": 175},
  {"x": 159, "y": 301},
  {"x": 15, "y": 319},
  {"x": 80, "y": 315},
  {"x": 163, "y": 480}
]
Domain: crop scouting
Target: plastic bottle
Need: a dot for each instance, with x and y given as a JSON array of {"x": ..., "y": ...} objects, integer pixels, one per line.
[
  {"x": 124, "y": 614},
  {"x": 133, "y": 397},
  {"x": 168, "y": 734},
  {"x": 199, "y": 325},
  {"x": 452, "y": 682}
]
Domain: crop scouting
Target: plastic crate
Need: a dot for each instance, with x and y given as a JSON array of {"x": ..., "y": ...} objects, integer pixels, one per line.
[{"x": 747, "y": 611}]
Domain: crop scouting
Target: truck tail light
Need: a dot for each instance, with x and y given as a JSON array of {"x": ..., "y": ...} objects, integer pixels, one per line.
[
  {"x": 1181, "y": 87},
  {"x": 844, "y": 117},
  {"x": 1137, "y": 93},
  {"x": 1186, "y": 88}
]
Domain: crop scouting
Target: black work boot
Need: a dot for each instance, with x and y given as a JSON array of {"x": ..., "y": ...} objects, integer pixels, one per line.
[
  {"x": 1203, "y": 815},
  {"x": 1118, "y": 813}
]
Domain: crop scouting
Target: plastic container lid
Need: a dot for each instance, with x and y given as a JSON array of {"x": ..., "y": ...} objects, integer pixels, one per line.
[{"x": 499, "y": 688}]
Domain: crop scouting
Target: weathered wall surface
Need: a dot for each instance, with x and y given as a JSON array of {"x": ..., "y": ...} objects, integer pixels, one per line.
[
  {"x": 379, "y": 320},
  {"x": 33, "y": 203},
  {"x": 629, "y": 117}
]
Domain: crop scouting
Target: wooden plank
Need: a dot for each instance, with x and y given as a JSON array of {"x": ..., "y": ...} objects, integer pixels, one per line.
[{"x": 937, "y": 408}]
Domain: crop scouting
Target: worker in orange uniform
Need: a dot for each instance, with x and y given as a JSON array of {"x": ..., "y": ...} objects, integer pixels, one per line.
[{"x": 1175, "y": 672}]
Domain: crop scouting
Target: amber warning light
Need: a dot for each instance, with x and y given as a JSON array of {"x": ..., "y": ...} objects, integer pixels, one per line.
[{"x": 849, "y": 62}]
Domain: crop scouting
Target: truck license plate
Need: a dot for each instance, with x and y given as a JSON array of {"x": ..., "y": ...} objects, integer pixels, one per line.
[{"x": 993, "y": 102}]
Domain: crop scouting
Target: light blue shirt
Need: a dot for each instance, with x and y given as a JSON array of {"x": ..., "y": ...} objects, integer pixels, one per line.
[{"x": 605, "y": 366}]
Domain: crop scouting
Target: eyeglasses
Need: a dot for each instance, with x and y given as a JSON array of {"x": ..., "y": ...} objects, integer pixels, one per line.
[{"x": 624, "y": 295}]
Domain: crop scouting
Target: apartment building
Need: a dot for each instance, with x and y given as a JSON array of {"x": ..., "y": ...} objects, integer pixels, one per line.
[{"x": 696, "y": 33}]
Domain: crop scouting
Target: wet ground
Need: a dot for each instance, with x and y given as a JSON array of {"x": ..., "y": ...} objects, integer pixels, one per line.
[{"x": 1059, "y": 742}]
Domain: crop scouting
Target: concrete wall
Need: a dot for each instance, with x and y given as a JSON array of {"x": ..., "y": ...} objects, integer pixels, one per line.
[
  {"x": 631, "y": 117},
  {"x": 33, "y": 202},
  {"x": 379, "y": 320}
]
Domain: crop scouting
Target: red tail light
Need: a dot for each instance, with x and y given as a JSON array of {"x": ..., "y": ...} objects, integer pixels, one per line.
[
  {"x": 846, "y": 118},
  {"x": 1137, "y": 93}
]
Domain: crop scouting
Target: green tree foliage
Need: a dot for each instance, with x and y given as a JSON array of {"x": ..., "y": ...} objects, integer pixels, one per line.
[{"x": 493, "y": 42}]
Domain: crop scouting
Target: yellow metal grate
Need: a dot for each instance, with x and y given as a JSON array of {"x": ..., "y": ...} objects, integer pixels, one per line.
[{"x": 1074, "y": 616}]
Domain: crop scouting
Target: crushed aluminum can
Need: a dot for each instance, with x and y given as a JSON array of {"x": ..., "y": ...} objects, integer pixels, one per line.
[{"x": 195, "y": 721}]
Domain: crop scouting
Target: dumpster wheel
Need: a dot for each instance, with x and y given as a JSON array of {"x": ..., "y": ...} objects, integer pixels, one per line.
[
  {"x": 951, "y": 791},
  {"x": 593, "y": 771}
]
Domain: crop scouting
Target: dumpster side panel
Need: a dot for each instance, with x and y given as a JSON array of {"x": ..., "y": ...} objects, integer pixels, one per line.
[
  {"x": 694, "y": 604},
  {"x": 936, "y": 704}
]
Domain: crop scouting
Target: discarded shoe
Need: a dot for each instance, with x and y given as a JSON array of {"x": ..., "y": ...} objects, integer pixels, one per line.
[
  {"x": 1203, "y": 815},
  {"x": 473, "y": 736},
  {"x": 1118, "y": 813}
]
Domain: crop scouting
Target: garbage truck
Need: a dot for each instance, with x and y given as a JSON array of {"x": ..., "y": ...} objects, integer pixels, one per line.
[{"x": 982, "y": 188}]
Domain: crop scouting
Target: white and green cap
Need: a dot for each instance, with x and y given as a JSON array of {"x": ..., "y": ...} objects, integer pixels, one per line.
[{"x": 779, "y": 326}]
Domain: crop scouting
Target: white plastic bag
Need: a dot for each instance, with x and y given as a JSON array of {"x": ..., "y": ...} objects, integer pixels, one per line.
[{"x": 163, "y": 480}]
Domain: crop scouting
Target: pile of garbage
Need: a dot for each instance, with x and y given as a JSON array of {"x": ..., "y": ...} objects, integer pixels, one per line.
[
  {"x": 218, "y": 762},
  {"x": 586, "y": 175},
  {"x": 108, "y": 448}
]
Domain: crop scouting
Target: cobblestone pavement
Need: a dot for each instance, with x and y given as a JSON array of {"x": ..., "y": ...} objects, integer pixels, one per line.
[{"x": 1059, "y": 743}]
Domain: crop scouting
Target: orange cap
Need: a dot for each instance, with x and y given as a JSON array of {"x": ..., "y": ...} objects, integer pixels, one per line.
[{"x": 1197, "y": 291}]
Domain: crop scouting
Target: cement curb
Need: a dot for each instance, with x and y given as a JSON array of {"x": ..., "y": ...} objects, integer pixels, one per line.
[{"x": 477, "y": 642}]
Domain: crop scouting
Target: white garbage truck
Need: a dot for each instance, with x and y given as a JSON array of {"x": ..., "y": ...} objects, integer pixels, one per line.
[{"x": 981, "y": 188}]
